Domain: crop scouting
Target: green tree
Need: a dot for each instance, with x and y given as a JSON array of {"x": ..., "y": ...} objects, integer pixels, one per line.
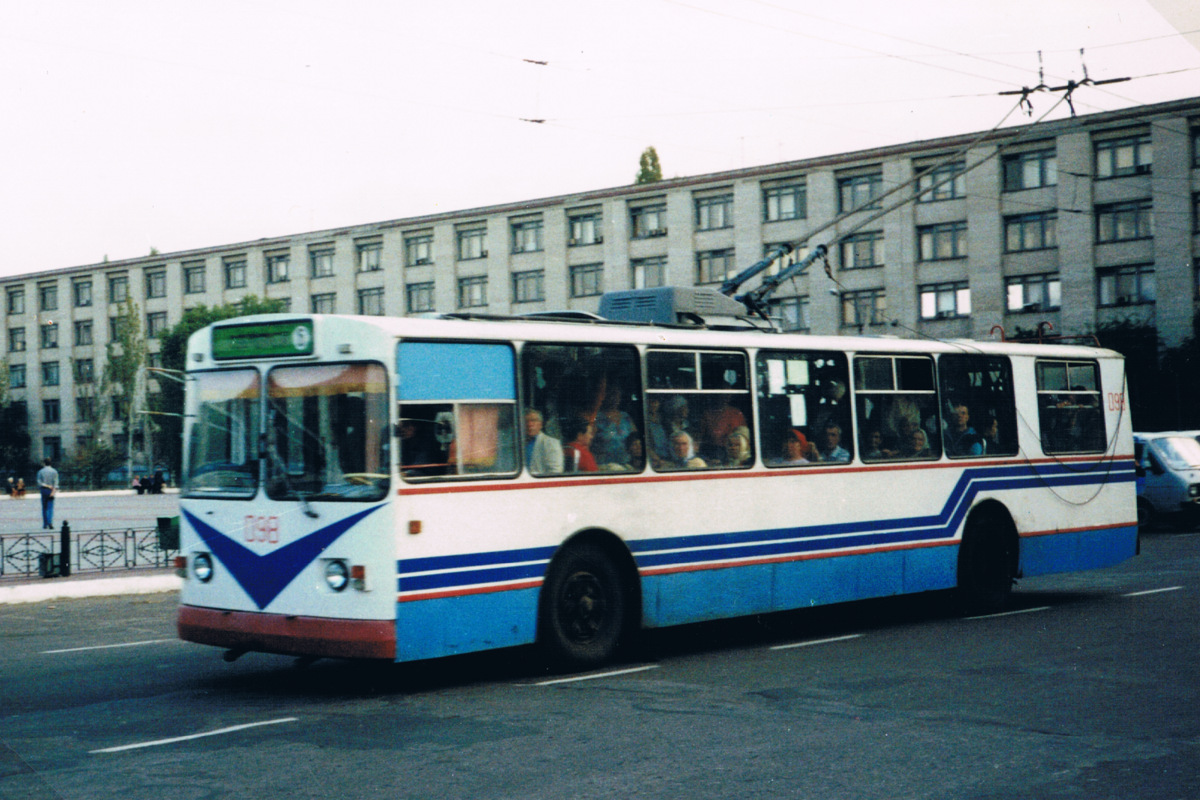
[
  {"x": 123, "y": 372},
  {"x": 168, "y": 405},
  {"x": 15, "y": 442},
  {"x": 649, "y": 170}
]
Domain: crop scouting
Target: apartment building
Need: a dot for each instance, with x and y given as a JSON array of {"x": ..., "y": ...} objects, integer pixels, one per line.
[{"x": 1077, "y": 222}]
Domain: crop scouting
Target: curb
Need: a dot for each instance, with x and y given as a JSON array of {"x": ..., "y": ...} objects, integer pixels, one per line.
[{"x": 98, "y": 587}]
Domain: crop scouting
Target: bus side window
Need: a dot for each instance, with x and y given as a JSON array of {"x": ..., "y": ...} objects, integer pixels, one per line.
[
  {"x": 1069, "y": 410},
  {"x": 698, "y": 410},
  {"x": 897, "y": 408},
  {"x": 978, "y": 407},
  {"x": 803, "y": 408}
]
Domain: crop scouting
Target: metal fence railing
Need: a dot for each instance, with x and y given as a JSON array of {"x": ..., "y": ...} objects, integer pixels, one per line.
[{"x": 41, "y": 554}]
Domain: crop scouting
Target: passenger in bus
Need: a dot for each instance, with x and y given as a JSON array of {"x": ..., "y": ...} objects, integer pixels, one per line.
[
  {"x": 916, "y": 445},
  {"x": 543, "y": 453},
  {"x": 960, "y": 438},
  {"x": 613, "y": 427},
  {"x": 716, "y": 423},
  {"x": 737, "y": 449},
  {"x": 683, "y": 453},
  {"x": 872, "y": 447},
  {"x": 795, "y": 450},
  {"x": 829, "y": 443},
  {"x": 990, "y": 434},
  {"x": 672, "y": 417},
  {"x": 636, "y": 450},
  {"x": 578, "y": 432}
]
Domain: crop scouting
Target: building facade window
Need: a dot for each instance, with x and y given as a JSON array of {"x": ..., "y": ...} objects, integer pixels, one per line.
[
  {"x": 49, "y": 373},
  {"x": 324, "y": 303},
  {"x": 526, "y": 235},
  {"x": 16, "y": 376},
  {"x": 156, "y": 283},
  {"x": 1031, "y": 170},
  {"x": 1033, "y": 292},
  {"x": 82, "y": 292},
  {"x": 864, "y": 307},
  {"x": 277, "y": 267},
  {"x": 52, "y": 447},
  {"x": 714, "y": 212},
  {"x": 1130, "y": 155},
  {"x": 370, "y": 302},
  {"x": 648, "y": 221},
  {"x": 85, "y": 408},
  {"x": 156, "y": 323},
  {"x": 16, "y": 340},
  {"x": 320, "y": 262},
  {"x": 51, "y": 412},
  {"x": 858, "y": 192},
  {"x": 1126, "y": 286},
  {"x": 235, "y": 273},
  {"x": 49, "y": 334},
  {"x": 48, "y": 297},
  {"x": 472, "y": 243},
  {"x": 586, "y": 228},
  {"x": 418, "y": 297},
  {"x": 647, "y": 273},
  {"x": 785, "y": 201},
  {"x": 1120, "y": 222},
  {"x": 1030, "y": 232},
  {"x": 85, "y": 370},
  {"x": 527, "y": 287},
  {"x": 941, "y": 242},
  {"x": 370, "y": 256},
  {"x": 945, "y": 300},
  {"x": 472, "y": 292},
  {"x": 945, "y": 182},
  {"x": 16, "y": 300},
  {"x": 193, "y": 278},
  {"x": 587, "y": 280},
  {"x": 118, "y": 288},
  {"x": 418, "y": 249},
  {"x": 712, "y": 266},
  {"x": 1196, "y": 147},
  {"x": 792, "y": 313},
  {"x": 862, "y": 250}
]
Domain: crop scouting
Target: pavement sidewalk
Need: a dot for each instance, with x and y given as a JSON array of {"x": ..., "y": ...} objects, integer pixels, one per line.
[{"x": 16, "y": 590}]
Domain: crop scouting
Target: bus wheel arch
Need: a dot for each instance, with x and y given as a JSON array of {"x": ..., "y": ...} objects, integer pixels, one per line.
[
  {"x": 590, "y": 600},
  {"x": 988, "y": 559}
]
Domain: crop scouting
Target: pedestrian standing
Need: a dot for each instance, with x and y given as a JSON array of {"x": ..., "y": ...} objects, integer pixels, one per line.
[{"x": 47, "y": 479}]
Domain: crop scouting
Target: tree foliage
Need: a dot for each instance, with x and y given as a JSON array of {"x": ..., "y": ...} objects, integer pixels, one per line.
[
  {"x": 15, "y": 442},
  {"x": 126, "y": 356},
  {"x": 649, "y": 169},
  {"x": 173, "y": 341}
]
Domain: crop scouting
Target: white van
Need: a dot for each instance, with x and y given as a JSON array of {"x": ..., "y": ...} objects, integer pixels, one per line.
[{"x": 1169, "y": 476}]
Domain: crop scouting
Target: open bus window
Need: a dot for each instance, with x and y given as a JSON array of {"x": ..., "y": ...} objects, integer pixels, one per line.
[
  {"x": 803, "y": 408},
  {"x": 457, "y": 410},
  {"x": 583, "y": 410},
  {"x": 222, "y": 457},
  {"x": 1069, "y": 411},
  {"x": 897, "y": 408},
  {"x": 698, "y": 410},
  {"x": 327, "y": 432},
  {"x": 978, "y": 408}
]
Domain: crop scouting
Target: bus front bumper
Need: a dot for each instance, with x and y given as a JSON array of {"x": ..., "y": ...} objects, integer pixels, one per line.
[{"x": 286, "y": 634}]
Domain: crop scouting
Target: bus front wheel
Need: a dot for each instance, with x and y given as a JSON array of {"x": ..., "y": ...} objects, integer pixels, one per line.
[{"x": 583, "y": 608}]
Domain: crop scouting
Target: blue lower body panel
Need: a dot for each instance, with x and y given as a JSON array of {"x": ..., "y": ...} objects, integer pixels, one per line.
[
  {"x": 1077, "y": 550},
  {"x": 449, "y": 626}
]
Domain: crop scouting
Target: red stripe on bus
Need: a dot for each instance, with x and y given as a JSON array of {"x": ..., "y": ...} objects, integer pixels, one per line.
[
  {"x": 408, "y": 598},
  {"x": 1056, "y": 531},
  {"x": 287, "y": 634}
]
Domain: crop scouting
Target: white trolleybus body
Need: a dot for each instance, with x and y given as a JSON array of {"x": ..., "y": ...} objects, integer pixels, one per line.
[{"x": 414, "y": 488}]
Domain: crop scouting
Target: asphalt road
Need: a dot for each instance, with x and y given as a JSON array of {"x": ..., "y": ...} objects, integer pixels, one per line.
[{"x": 1088, "y": 689}]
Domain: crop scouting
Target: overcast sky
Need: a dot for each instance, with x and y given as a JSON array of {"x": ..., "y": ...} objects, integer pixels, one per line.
[{"x": 175, "y": 124}]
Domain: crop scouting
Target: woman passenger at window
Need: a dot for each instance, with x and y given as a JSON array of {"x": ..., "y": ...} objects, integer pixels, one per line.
[
  {"x": 613, "y": 428},
  {"x": 683, "y": 453},
  {"x": 737, "y": 448},
  {"x": 578, "y": 433},
  {"x": 796, "y": 450}
]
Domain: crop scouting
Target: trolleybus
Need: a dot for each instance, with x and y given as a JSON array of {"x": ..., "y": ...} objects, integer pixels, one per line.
[{"x": 409, "y": 488}]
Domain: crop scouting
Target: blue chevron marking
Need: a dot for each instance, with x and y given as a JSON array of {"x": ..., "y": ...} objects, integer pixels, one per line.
[{"x": 264, "y": 577}]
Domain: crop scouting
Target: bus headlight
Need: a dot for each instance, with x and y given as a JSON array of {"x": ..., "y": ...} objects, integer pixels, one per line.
[
  {"x": 337, "y": 576},
  {"x": 202, "y": 567}
]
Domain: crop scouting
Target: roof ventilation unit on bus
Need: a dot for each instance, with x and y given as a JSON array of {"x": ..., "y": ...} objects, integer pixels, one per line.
[{"x": 672, "y": 305}]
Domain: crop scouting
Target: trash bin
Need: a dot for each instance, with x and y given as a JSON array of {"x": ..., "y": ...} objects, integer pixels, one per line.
[
  {"x": 168, "y": 533},
  {"x": 48, "y": 565}
]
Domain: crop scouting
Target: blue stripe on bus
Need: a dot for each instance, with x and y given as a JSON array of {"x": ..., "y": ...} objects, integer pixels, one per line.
[{"x": 471, "y": 570}]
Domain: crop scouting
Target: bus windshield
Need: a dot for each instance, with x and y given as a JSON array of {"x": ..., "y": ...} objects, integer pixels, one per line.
[
  {"x": 327, "y": 431},
  {"x": 222, "y": 457}
]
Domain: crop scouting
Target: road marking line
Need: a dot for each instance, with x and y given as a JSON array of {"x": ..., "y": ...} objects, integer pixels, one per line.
[
  {"x": 817, "y": 641},
  {"x": 576, "y": 678},
  {"x": 175, "y": 739},
  {"x": 1011, "y": 613},
  {"x": 107, "y": 646},
  {"x": 1154, "y": 591}
]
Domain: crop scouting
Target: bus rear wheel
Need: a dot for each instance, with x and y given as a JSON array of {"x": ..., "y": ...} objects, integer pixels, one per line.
[
  {"x": 986, "y": 564},
  {"x": 584, "y": 608}
]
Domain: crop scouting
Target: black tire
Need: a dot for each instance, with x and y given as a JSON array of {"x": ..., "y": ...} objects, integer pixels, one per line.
[
  {"x": 986, "y": 561},
  {"x": 1145, "y": 514},
  {"x": 584, "y": 608}
]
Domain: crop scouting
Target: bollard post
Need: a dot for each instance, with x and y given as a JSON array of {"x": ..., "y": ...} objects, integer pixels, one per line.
[{"x": 64, "y": 563}]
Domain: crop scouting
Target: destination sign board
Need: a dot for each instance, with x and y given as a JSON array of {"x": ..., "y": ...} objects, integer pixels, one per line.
[{"x": 292, "y": 337}]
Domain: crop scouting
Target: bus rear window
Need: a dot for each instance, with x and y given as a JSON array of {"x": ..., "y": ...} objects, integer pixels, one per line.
[
  {"x": 222, "y": 457},
  {"x": 327, "y": 432},
  {"x": 1069, "y": 407}
]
